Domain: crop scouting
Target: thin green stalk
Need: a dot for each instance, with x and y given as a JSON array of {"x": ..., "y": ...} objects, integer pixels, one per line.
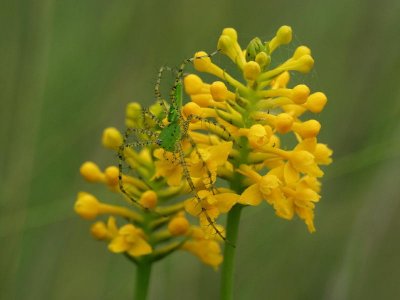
[
  {"x": 143, "y": 272},
  {"x": 228, "y": 265}
]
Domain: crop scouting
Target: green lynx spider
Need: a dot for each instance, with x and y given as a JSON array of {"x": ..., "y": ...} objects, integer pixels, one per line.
[{"x": 171, "y": 135}]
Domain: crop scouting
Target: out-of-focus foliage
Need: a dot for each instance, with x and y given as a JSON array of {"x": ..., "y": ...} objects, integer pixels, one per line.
[{"x": 68, "y": 68}]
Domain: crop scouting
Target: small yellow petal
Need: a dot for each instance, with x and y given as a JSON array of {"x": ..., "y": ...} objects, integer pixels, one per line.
[
  {"x": 118, "y": 245},
  {"x": 141, "y": 247},
  {"x": 226, "y": 201},
  {"x": 251, "y": 196}
]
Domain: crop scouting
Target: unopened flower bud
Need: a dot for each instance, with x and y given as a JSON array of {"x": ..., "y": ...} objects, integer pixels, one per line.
[{"x": 112, "y": 138}]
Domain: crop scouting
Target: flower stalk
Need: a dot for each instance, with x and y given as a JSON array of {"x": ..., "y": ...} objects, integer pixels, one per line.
[
  {"x": 142, "y": 282},
  {"x": 228, "y": 265}
]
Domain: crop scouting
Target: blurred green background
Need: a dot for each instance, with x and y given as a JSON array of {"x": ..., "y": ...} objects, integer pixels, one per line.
[{"x": 68, "y": 68}]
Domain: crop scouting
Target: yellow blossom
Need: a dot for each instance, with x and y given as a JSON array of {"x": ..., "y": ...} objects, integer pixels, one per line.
[
  {"x": 102, "y": 231},
  {"x": 214, "y": 204},
  {"x": 131, "y": 240},
  {"x": 167, "y": 167},
  {"x": 207, "y": 250}
]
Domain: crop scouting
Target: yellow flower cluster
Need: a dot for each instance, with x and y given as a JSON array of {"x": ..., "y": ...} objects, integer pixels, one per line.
[
  {"x": 230, "y": 153},
  {"x": 257, "y": 112}
]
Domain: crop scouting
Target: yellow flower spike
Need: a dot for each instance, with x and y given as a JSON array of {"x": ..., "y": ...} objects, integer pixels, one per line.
[
  {"x": 308, "y": 129},
  {"x": 149, "y": 199},
  {"x": 283, "y": 36},
  {"x": 99, "y": 231},
  {"x": 194, "y": 85},
  {"x": 111, "y": 176},
  {"x": 178, "y": 226},
  {"x": 131, "y": 240},
  {"x": 251, "y": 70},
  {"x": 300, "y": 94},
  {"x": 316, "y": 102},
  {"x": 112, "y": 138},
  {"x": 87, "y": 206},
  {"x": 91, "y": 172},
  {"x": 220, "y": 92}
]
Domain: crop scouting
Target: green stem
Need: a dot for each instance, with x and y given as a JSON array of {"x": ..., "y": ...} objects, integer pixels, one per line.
[
  {"x": 143, "y": 272},
  {"x": 228, "y": 266}
]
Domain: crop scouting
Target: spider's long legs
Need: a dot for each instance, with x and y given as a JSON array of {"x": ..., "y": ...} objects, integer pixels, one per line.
[
  {"x": 121, "y": 158},
  {"x": 189, "y": 180},
  {"x": 179, "y": 75}
]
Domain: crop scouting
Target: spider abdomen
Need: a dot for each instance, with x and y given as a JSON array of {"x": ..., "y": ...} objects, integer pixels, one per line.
[{"x": 169, "y": 136}]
